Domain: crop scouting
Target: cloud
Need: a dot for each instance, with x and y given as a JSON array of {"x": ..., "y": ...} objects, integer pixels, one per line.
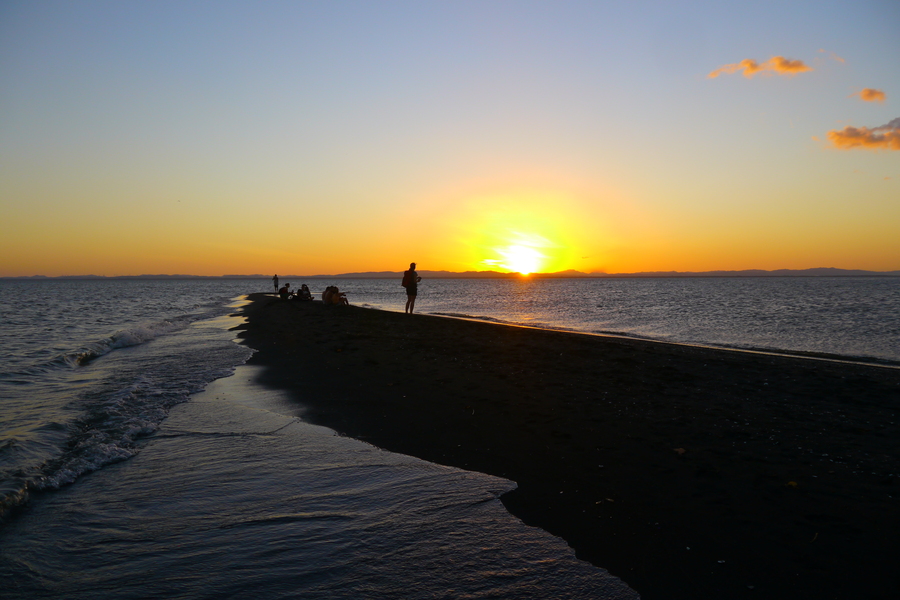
[
  {"x": 776, "y": 64},
  {"x": 870, "y": 95},
  {"x": 834, "y": 56},
  {"x": 883, "y": 137},
  {"x": 894, "y": 124}
]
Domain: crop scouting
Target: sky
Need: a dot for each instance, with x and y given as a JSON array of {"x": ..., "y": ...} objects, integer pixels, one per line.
[{"x": 213, "y": 138}]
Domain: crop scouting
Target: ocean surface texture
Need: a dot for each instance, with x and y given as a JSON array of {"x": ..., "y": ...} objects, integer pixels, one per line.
[
  {"x": 836, "y": 316},
  {"x": 228, "y": 493}
]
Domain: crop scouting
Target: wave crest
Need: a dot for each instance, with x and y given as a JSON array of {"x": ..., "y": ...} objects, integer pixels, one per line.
[{"x": 123, "y": 338}]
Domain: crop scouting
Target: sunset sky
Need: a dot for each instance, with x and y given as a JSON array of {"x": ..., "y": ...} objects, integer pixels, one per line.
[{"x": 214, "y": 138}]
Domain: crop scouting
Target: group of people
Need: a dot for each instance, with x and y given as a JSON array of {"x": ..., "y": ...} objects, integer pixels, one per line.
[
  {"x": 332, "y": 295},
  {"x": 285, "y": 293}
]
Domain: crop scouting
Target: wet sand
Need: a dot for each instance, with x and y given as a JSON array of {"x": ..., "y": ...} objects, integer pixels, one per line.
[{"x": 687, "y": 472}]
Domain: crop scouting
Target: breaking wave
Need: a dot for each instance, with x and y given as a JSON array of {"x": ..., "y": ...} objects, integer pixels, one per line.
[
  {"x": 121, "y": 339},
  {"x": 77, "y": 411}
]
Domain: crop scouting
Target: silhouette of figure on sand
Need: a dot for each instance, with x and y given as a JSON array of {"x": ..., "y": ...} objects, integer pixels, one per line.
[
  {"x": 411, "y": 281},
  {"x": 332, "y": 295},
  {"x": 275, "y": 281},
  {"x": 303, "y": 293}
]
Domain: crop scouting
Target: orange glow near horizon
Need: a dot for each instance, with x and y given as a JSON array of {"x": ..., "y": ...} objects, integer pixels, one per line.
[
  {"x": 522, "y": 255},
  {"x": 519, "y": 232},
  {"x": 538, "y": 227}
]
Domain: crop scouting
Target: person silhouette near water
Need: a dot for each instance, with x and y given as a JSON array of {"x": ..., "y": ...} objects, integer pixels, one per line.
[
  {"x": 275, "y": 281},
  {"x": 333, "y": 295},
  {"x": 411, "y": 281}
]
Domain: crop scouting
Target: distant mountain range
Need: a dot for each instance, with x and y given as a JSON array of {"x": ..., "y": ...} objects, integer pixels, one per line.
[{"x": 820, "y": 272}]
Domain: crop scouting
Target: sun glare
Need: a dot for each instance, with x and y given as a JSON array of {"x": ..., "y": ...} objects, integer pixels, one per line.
[
  {"x": 518, "y": 232},
  {"x": 520, "y": 253},
  {"x": 521, "y": 259}
]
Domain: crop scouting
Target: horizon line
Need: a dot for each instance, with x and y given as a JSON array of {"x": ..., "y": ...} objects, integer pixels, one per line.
[{"x": 570, "y": 273}]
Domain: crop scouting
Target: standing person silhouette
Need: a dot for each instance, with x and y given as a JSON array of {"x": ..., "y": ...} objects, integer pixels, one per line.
[
  {"x": 411, "y": 281},
  {"x": 275, "y": 281}
]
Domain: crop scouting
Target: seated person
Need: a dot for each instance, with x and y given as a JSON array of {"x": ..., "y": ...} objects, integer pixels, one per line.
[
  {"x": 285, "y": 291},
  {"x": 332, "y": 295},
  {"x": 303, "y": 293}
]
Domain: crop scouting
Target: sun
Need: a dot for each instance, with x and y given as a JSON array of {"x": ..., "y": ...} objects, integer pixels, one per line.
[
  {"x": 523, "y": 232},
  {"x": 521, "y": 259},
  {"x": 519, "y": 252}
]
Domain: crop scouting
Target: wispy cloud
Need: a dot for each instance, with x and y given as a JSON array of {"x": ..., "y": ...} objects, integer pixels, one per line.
[
  {"x": 894, "y": 124},
  {"x": 777, "y": 64},
  {"x": 870, "y": 95},
  {"x": 883, "y": 137},
  {"x": 834, "y": 56}
]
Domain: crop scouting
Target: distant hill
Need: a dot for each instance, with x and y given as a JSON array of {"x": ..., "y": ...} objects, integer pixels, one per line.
[
  {"x": 144, "y": 277},
  {"x": 820, "y": 272}
]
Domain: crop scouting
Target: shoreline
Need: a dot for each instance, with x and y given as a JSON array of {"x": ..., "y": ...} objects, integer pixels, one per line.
[
  {"x": 868, "y": 361},
  {"x": 777, "y": 472}
]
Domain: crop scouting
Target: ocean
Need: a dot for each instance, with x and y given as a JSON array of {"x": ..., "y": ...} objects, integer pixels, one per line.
[
  {"x": 853, "y": 318},
  {"x": 139, "y": 458}
]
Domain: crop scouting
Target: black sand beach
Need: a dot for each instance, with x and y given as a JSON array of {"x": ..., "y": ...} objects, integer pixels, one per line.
[{"x": 687, "y": 472}]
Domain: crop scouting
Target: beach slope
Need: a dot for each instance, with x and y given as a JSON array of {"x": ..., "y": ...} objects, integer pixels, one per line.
[{"x": 687, "y": 472}]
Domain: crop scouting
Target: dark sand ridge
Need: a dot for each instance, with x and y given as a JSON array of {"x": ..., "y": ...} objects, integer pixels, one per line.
[{"x": 688, "y": 472}]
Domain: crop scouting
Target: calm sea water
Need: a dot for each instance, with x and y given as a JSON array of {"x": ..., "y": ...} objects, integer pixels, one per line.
[
  {"x": 844, "y": 317},
  {"x": 226, "y": 491}
]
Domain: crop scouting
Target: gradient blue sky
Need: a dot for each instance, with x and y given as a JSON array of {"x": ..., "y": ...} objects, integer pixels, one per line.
[{"x": 324, "y": 137}]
